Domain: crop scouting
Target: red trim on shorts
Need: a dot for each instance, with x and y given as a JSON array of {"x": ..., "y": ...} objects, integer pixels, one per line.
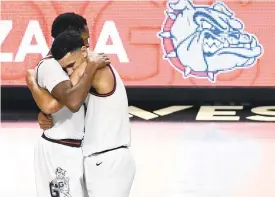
[{"x": 65, "y": 142}]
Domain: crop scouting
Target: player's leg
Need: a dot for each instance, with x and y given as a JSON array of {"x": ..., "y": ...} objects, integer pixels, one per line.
[
  {"x": 58, "y": 170},
  {"x": 110, "y": 174}
]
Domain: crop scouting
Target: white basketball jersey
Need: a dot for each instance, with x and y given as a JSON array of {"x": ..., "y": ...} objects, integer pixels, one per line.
[
  {"x": 107, "y": 123},
  {"x": 66, "y": 124}
]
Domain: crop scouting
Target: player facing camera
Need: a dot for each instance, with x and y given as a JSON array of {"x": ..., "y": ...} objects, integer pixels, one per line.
[{"x": 72, "y": 54}]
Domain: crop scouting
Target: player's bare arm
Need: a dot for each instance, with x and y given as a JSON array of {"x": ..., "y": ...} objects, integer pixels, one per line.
[
  {"x": 44, "y": 120},
  {"x": 74, "y": 96},
  {"x": 104, "y": 81},
  {"x": 44, "y": 100},
  {"x": 70, "y": 51},
  {"x": 42, "y": 97}
]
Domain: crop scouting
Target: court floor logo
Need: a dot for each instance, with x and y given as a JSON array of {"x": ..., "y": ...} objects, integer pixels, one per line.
[{"x": 203, "y": 41}]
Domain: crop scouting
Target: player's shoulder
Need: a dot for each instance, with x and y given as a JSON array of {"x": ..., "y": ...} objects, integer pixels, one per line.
[
  {"x": 48, "y": 65},
  {"x": 48, "y": 62}
]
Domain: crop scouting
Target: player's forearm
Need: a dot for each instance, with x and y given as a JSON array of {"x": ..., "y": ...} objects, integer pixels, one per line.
[
  {"x": 75, "y": 78},
  {"x": 76, "y": 95},
  {"x": 44, "y": 100}
]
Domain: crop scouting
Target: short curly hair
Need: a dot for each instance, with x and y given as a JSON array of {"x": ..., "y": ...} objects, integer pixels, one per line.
[
  {"x": 67, "y": 41},
  {"x": 68, "y": 21}
]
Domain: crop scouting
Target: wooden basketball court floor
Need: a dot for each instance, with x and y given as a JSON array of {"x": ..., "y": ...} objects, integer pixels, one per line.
[{"x": 173, "y": 159}]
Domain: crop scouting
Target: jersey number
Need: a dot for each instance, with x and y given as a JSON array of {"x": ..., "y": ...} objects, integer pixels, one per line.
[{"x": 54, "y": 190}]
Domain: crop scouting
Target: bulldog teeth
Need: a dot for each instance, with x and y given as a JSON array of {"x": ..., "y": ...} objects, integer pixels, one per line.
[
  {"x": 206, "y": 48},
  {"x": 217, "y": 43},
  {"x": 211, "y": 45},
  {"x": 247, "y": 46},
  {"x": 241, "y": 45},
  {"x": 210, "y": 42},
  {"x": 226, "y": 44},
  {"x": 233, "y": 41},
  {"x": 233, "y": 45}
]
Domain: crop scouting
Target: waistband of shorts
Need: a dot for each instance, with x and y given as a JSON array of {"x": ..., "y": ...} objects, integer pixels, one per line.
[
  {"x": 105, "y": 151},
  {"x": 66, "y": 142}
]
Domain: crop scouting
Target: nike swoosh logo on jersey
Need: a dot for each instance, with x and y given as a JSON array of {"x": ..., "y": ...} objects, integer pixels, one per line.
[{"x": 97, "y": 164}]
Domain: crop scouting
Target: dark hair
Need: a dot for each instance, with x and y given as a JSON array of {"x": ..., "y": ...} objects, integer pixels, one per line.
[
  {"x": 68, "y": 21},
  {"x": 67, "y": 41}
]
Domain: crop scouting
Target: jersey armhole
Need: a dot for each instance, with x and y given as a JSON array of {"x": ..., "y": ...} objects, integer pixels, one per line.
[{"x": 95, "y": 93}]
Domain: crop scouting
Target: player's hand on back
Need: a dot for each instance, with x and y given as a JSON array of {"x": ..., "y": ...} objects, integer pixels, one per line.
[
  {"x": 44, "y": 121},
  {"x": 99, "y": 60}
]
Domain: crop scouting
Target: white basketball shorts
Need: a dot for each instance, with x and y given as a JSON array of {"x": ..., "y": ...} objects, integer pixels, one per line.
[
  {"x": 58, "y": 170},
  {"x": 110, "y": 174}
]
